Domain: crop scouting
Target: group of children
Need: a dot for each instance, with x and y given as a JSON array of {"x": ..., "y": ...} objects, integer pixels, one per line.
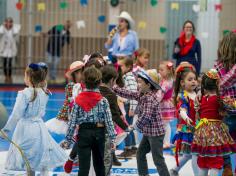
[{"x": 104, "y": 102}]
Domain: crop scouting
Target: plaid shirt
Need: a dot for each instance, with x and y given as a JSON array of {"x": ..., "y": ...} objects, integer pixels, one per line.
[
  {"x": 227, "y": 81},
  {"x": 99, "y": 114},
  {"x": 131, "y": 84},
  {"x": 149, "y": 118}
]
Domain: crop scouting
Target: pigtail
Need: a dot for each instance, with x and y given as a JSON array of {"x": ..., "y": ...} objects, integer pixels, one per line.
[{"x": 177, "y": 87}]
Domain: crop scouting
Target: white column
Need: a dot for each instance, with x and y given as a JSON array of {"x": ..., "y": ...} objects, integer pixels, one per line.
[{"x": 208, "y": 33}]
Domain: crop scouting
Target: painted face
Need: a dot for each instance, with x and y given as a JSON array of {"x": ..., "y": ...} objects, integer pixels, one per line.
[
  {"x": 143, "y": 87},
  {"x": 163, "y": 70},
  {"x": 143, "y": 60},
  {"x": 188, "y": 29},
  {"x": 123, "y": 24},
  {"x": 190, "y": 82}
]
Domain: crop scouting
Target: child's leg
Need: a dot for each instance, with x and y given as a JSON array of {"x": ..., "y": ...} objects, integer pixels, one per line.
[
  {"x": 168, "y": 132},
  {"x": 182, "y": 161},
  {"x": 32, "y": 173},
  {"x": 203, "y": 172},
  {"x": 156, "y": 144},
  {"x": 214, "y": 172},
  {"x": 195, "y": 165},
  {"x": 74, "y": 151},
  {"x": 44, "y": 172},
  {"x": 107, "y": 155}
]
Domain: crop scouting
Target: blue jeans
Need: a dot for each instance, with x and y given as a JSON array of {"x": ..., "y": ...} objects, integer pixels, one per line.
[
  {"x": 52, "y": 62},
  {"x": 130, "y": 139}
]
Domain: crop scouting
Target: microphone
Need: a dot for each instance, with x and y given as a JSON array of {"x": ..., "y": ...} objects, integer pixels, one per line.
[{"x": 113, "y": 31}]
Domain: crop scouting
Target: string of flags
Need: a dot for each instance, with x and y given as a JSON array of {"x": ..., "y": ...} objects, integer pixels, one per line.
[{"x": 174, "y": 6}]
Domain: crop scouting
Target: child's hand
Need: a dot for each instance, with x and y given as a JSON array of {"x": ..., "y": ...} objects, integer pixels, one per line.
[
  {"x": 113, "y": 146},
  {"x": 65, "y": 145},
  {"x": 131, "y": 113},
  {"x": 189, "y": 121}
]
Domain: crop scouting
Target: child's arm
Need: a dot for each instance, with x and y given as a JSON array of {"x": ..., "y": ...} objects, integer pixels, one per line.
[
  {"x": 229, "y": 78},
  {"x": 115, "y": 111},
  {"x": 63, "y": 113},
  {"x": 126, "y": 93},
  {"x": 108, "y": 121},
  {"x": 131, "y": 85},
  {"x": 19, "y": 109},
  {"x": 72, "y": 124}
]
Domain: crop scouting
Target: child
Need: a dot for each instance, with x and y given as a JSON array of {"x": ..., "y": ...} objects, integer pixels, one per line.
[
  {"x": 211, "y": 138},
  {"x": 226, "y": 68},
  {"x": 30, "y": 132},
  {"x": 142, "y": 57},
  {"x": 185, "y": 84},
  {"x": 149, "y": 122},
  {"x": 59, "y": 124},
  {"x": 95, "y": 59},
  {"x": 166, "y": 71},
  {"x": 130, "y": 82},
  {"x": 92, "y": 113}
]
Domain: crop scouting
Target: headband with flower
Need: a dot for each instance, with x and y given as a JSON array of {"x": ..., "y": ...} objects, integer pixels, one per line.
[
  {"x": 183, "y": 67},
  {"x": 170, "y": 65},
  {"x": 212, "y": 74}
]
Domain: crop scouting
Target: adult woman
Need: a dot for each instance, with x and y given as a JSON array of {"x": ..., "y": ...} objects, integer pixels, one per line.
[
  {"x": 8, "y": 48},
  {"x": 124, "y": 42},
  {"x": 187, "y": 47}
]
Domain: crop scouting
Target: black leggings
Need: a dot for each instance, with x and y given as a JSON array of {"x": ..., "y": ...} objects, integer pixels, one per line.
[
  {"x": 7, "y": 66},
  {"x": 74, "y": 151}
]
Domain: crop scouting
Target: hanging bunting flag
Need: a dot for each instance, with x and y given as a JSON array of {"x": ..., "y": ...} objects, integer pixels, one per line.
[
  {"x": 226, "y": 31},
  {"x": 163, "y": 29},
  {"x": 196, "y": 8},
  {"x": 218, "y": 7},
  {"x": 41, "y": 6},
  {"x": 63, "y": 5},
  {"x": 60, "y": 27},
  {"x": 174, "y": 6},
  {"x": 84, "y": 2},
  {"x": 153, "y": 3},
  {"x": 142, "y": 25},
  {"x": 38, "y": 28},
  {"x": 203, "y": 5},
  {"x": 101, "y": 18},
  {"x": 19, "y": 6},
  {"x": 80, "y": 24}
]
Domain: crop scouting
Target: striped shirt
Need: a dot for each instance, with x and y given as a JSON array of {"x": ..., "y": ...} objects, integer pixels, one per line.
[
  {"x": 99, "y": 114},
  {"x": 132, "y": 85}
]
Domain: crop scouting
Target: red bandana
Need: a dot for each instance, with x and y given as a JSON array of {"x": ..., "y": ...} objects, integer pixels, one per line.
[
  {"x": 88, "y": 100},
  {"x": 185, "y": 46}
]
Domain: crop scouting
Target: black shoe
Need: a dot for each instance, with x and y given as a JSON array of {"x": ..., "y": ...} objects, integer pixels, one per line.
[{"x": 115, "y": 161}]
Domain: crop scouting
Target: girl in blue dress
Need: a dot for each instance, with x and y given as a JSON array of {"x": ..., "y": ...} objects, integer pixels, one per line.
[{"x": 30, "y": 132}]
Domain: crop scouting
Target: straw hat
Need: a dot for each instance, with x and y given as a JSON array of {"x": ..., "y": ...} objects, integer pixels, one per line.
[
  {"x": 125, "y": 15},
  {"x": 151, "y": 76},
  {"x": 73, "y": 67}
]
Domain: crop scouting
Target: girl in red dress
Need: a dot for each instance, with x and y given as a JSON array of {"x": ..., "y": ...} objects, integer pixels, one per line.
[{"x": 211, "y": 140}]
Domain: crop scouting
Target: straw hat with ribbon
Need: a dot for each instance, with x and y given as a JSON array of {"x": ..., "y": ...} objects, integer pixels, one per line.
[
  {"x": 125, "y": 15},
  {"x": 151, "y": 76},
  {"x": 74, "y": 67}
]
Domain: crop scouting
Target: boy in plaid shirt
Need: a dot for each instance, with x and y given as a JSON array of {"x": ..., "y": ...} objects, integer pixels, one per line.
[{"x": 149, "y": 122}]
